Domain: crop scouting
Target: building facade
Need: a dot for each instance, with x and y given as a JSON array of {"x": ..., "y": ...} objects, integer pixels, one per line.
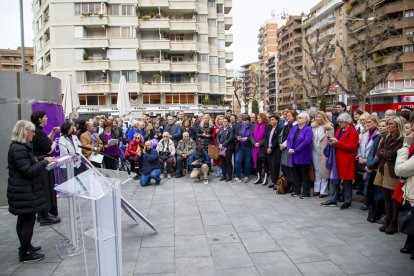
[
  {"x": 250, "y": 75},
  {"x": 290, "y": 90},
  {"x": 171, "y": 52},
  {"x": 10, "y": 60}
]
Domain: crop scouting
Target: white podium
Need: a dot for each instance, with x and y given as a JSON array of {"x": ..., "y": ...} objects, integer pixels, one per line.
[{"x": 102, "y": 189}]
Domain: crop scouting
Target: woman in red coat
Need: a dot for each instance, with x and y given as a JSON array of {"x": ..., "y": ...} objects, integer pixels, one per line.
[
  {"x": 131, "y": 153},
  {"x": 346, "y": 144}
]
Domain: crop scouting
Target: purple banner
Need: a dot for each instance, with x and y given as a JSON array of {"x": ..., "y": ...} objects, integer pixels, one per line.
[{"x": 54, "y": 114}]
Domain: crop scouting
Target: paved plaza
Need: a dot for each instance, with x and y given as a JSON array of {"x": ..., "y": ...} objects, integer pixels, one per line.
[{"x": 226, "y": 229}]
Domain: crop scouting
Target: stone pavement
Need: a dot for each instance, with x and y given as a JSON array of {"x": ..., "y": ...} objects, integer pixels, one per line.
[{"x": 226, "y": 229}]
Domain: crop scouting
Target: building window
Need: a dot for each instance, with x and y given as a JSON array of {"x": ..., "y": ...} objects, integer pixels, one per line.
[
  {"x": 130, "y": 76},
  {"x": 127, "y": 10},
  {"x": 211, "y": 4},
  {"x": 222, "y": 63},
  {"x": 212, "y": 22},
  {"x": 213, "y": 60},
  {"x": 177, "y": 58},
  {"x": 408, "y": 65},
  {"x": 202, "y": 38},
  {"x": 202, "y": 57},
  {"x": 92, "y": 99},
  {"x": 220, "y": 26},
  {"x": 409, "y": 14},
  {"x": 152, "y": 98},
  {"x": 409, "y": 48},
  {"x": 212, "y": 41},
  {"x": 89, "y": 8},
  {"x": 202, "y": 17},
  {"x": 179, "y": 98},
  {"x": 121, "y": 32},
  {"x": 222, "y": 81},
  {"x": 214, "y": 79},
  {"x": 114, "y": 99},
  {"x": 202, "y": 77},
  {"x": 96, "y": 76},
  {"x": 220, "y": 8}
]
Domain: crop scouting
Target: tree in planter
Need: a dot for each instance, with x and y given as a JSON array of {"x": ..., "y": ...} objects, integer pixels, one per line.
[
  {"x": 315, "y": 74},
  {"x": 363, "y": 60},
  {"x": 255, "y": 107}
]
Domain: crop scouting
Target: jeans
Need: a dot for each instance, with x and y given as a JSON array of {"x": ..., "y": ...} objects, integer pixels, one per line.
[
  {"x": 155, "y": 174},
  {"x": 243, "y": 154}
]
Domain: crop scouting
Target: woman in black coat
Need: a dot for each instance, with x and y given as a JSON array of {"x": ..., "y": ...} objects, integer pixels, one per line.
[
  {"x": 25, "y": 192},
  {"x": 272, "y": 148},
  {"x": 43, "y": 146},
  {"x": 225, "y": 140}
]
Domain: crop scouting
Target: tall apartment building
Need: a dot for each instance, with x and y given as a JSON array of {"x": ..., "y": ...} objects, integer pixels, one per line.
[
  {"x": 10, "y": 60},
  {"x": 267, "y": 48},
  {"x": 272, "y": 85},
  {"x": 171, "y": 52},
  {"x": 290, "y": 91},
  {"x": 326, "y": 17},
  {"x": 398, "y": 89},
  {"x": 250, "y": 75}
]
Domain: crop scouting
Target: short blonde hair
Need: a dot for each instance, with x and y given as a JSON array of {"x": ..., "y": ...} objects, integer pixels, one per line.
[{"x": 20, "y": 129}]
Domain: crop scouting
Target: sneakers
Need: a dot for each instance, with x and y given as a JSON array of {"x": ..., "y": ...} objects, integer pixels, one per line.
[
  {"x": 237, "y": 180},
  {"x": 246, "y": 179},
  {"x": 345, "y": 206},
  {"x": 329, "y": 204},
  {"x": 30, "y": 257},
  {"x": 363, "y": 207},
  {"x": 169, "y": 176},
  {"x": 162, "y": 176},
  {"x": 205, "y": 180},
  {"x": 32, "y": 249}
]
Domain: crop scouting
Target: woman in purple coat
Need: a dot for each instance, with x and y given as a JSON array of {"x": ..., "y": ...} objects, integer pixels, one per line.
[{"x": 299, "y": 145}]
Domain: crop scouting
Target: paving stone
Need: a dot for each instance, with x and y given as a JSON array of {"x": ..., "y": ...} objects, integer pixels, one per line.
[
  {"x": 248, "y": 271},
  {"x": 230, "y": 255},
  {"x": 320, "y": 237},
  {"x": 221, "y": 234},
  {"x": 155, "y": 260},
  {"x": 191, "y": 246},
  {"x": 272, "y": 263},
  {"x": 283, "y": 231},
  {"x": 325, "y": 268},
  {"x": 259, "y": 241},
  {"x": 396, "y": 264},
  {"x": 164, "y": 237},
  {"x": 42, "y": 268},
  {"x": 215, "y": 218},
  {"x": 189, "y": 226},
  {"x": 301, "y": 250},
  {"x": 201, "y": 266}
]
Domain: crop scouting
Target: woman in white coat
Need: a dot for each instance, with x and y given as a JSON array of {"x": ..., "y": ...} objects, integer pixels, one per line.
[
  {"x": 166, "y": 152},
  {"x": 69, "y": 144},
  {"x": 322, "y": 130}
]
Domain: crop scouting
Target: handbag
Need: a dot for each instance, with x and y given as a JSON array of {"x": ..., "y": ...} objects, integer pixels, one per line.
[
  {"x": 213, "y": 152},
  {"x": 406, "y": 222},
  {"x": 311, "y": 172}
]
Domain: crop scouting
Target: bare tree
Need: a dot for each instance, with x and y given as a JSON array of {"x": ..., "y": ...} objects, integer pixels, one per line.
[
  {"x": 315, "y": 74},
  {"x": 364, "y": 57}
]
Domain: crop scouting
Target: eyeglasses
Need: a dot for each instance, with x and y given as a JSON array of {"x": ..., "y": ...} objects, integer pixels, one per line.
[{"x": 166, "y": 136}]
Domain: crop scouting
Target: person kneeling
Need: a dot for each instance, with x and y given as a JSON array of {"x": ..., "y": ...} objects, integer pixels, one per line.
[
  {"x": 198, "y": 164},
  {"x": 150, "y": 165}
]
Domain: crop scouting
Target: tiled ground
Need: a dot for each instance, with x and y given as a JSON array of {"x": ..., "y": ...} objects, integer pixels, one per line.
[{"x": 226, "y": 229}]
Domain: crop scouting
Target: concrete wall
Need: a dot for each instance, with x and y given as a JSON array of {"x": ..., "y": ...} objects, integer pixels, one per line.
[{"x": 16, "y": 92}]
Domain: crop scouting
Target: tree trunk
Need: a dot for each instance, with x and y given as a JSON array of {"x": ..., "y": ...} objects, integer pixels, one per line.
[{"x": 362, "y": 102}]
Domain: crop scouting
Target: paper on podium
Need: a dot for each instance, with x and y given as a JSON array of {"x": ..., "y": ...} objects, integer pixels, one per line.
[
  {"x": 113, "y": 142},
  {"x": 96, "y": 157},
  {"x": 93, "y": 183}
]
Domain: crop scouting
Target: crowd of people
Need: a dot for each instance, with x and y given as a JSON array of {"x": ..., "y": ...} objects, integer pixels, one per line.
[{"x": 313, "y": 153}]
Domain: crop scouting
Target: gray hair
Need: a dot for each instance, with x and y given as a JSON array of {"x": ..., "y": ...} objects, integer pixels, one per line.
[
  {"x": 20, "y": 129},
  {"x": 165, "y": 133},
  {"x": 305, "y": 115},
  {"x": 344, "y": 117}
]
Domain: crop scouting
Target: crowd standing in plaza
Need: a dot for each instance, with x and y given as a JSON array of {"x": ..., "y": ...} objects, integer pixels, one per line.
[{"x": 333, "y": 153}]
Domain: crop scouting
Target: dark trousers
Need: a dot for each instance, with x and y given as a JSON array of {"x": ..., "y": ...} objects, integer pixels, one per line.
[
  {"x": 334, "y": 191},
  {"x": 24, "y": 228},
  {"x": 169, "y": 164},
  {"x": 273, "y": 160},
  {"x": 301, "y": 184},
  {"x": 262, "y": 164},
  {"x": 48, "y": 179},
  {"x": 409, "y": 242},
  {"x": 180, "y": 161},
  {"x": 111, "y": 163},
  {"x": 392, "y": 207},
  {"x": 226, "y": 165}
]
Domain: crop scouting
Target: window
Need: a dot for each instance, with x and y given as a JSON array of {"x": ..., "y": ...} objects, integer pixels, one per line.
[
  {"x": 211, "y": 4},
  {"x": 220, "y": 26},
  {"x": 121, "y": 32},
  {"x": 409, "y": 48},
  {"x": 409, "y": 14},
  {"x": 222, "y": 45},
  {"x": 409, "y": 31},
  {"x": 113, "y": 10},
  {"x": 202, "y": 17},
  {"x": 220, "y": 8},
  {"x": 179, "y": 98},
  {"x": 222, "y": 81},
  {"x": 127, "y": 10},
  {"x": 177, "y": 37},
  {"x": 409, "y": 65},
  {"x": 96, "y": 76},
  {"x": 89, "y": 8},
  {"x": 114, "y": 99},
  {"x": 174, "y": 78},
  {"x": 130, "y": 76},
  {"x": 212, "y": 41},
  {"x": 222, "y": 63},
  {"x": 212, "y": 22},
  {"x": 152, "y": 98},
  {"x": 92, "y": 99},
  {"x": 202, "y": 57},
  {"x": 213, "y": 60},
  {"x": 202, "y": 77},
  {"x": 177, "y": 58},
  {"x": 202, "y": 38},
  {"x": 214, "y": 79}
]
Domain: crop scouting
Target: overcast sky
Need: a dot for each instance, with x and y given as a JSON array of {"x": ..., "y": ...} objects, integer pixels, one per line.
[{"x": 248, "y": 16}]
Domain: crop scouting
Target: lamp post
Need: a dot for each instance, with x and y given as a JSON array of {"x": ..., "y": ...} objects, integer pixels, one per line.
[{"x": 23, "y": 57}]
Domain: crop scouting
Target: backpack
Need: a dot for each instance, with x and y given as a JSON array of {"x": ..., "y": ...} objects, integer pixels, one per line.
[{"x": 282, "y": 185}]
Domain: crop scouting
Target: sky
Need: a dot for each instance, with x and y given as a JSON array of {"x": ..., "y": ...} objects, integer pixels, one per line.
[{"x": 248, "y": 16}]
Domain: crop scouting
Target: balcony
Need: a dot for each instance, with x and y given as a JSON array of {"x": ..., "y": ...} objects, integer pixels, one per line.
[
  {"x": 187, "y": 87},
  {"x": 95, "y": 19},
  {"x": 229, "y": 40},
  {"x": 184, "y": 66},
  {"x": 228, "y": 22},
  {"x": 94, "y": 87},
  {"x": 229, "y": 57},
  {"x": 92, "y": 42},
  {"x": 154, "y": 64},
  {"x": 228, "y": 5},
  {"x": 159, "y": 44},
  {"x": 182, "y": 25},
  {"x": 328, "y": 7},
  {"x": 153, "y": 3},
  {"x": 146, "y": 23},
  {"x": 182, "y": 5},
  {"x": 184, "y": 45},
  {"x": 155, "y": 87},
  {"x": 229, "y": 74}
]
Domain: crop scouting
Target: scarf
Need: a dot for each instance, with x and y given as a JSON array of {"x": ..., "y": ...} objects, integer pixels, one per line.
[
  {"x": 258, "y": 134},
  {"x": 245, "y": 132}
]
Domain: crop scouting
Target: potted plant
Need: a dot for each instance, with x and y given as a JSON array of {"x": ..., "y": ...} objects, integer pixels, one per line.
[
  {"x": 85, "y": 56},
  {"x": 157, "y": 77}
]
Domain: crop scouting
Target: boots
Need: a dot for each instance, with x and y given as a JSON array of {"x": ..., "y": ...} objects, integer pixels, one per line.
[
  {"x": 371, "y": 213},
  {"x": 385, "y": 225},
  {"x": 264, "y": 179},
  {"x": 259, "y": 179},
  {"x": 392, "y": 228}
]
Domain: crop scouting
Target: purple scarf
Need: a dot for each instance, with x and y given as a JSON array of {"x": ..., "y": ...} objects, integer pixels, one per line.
[{"x": 258, "y": 134}]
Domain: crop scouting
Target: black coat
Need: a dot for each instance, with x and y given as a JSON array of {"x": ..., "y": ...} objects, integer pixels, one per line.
[
  {"x": 41, "y": 143},
  {"x": 25, "y": 191},
  {"x": 226, "y": 137},
  {"x": 203, "y": 140},
  {"x": 275, "y": 138},
  {"x": 262, "y": 143}
]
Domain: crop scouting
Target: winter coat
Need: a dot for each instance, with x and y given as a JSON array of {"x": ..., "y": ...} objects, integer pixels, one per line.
[
  {"x": 166, "y": 147},
  {"x": 404, "y": 167},
  {"x": 387, "y": 153},
  {"x": 225, "y": 137},
  {"x": 302, "y": 147},
  {"x": 320, "y": 140},
  {"x": 372, "y": 160},
  {"x": 150, "y": 161},
  {"x": 132, "y": 148},
  {"x": 203, "y": 140},
  {"x": 174, "y": 130},
  {"x": 195, "y": 156},
  {"x": 69, "y": 145},
  {"x": 41, "y": 143},
  {"x": 346, "y": 152},
  {"x": 87, "y": 142},
  {"x": 263, "y": 147},
  {"x": 186, "y": 147},
  {"x": 25, "y": 191}
]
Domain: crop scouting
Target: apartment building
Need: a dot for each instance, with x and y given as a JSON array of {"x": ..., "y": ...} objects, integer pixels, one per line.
[
  {"x": 171, "y": 52},
  {"x": 272, "y": 85},
  {"x": 251, "y": 77},
  {"x": 398, "y": 89},
  {"x": 10, "y": 60},
  {"x": 327, "y": 17},
  {"x": 290, "y": 90},
  {"x": 267, "y": 47}
]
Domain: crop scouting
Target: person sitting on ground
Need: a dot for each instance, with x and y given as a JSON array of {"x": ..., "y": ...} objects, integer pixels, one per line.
[
  {"x": 198, "y": 164},
  {"x": 185, "y": 148},
  {"x": 166, "y": 151},
  {"x": 150, "y": 165}
]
